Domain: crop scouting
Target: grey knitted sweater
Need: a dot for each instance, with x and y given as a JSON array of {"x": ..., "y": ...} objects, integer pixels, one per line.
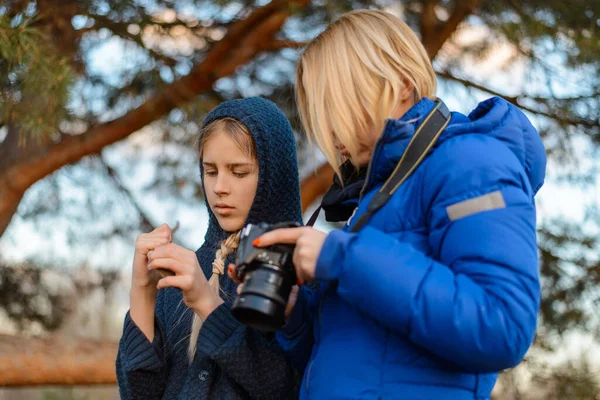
[{"x": 232, "y": 361}]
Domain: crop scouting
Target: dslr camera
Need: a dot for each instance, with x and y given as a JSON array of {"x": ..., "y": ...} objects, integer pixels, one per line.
[{"x": 268, "y": 276}]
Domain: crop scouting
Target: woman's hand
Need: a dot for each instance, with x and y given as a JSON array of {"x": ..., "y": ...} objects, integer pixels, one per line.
[
  {"x": 197, "y": 294},
  {"x": 309, "y": 242}
]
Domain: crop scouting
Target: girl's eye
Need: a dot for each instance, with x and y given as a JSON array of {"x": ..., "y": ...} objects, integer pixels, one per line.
[
  {"x": 210, "y": 173},
  {"x": 240, "y": 174}
]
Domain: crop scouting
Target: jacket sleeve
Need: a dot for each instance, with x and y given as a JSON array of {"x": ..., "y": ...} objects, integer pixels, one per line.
[
  {"x": 296, "y": 336},
  {"x": 473, "y": 300},
  {"x": 140, "y": 364},
  {"x": 253, "y": 359}
]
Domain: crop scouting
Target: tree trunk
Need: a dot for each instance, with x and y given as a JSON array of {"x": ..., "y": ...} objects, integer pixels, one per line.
[
  {"x": 55, "y": 361},
  {"x": 9, "y": 202},
  {"x": 315, "y": 185}
]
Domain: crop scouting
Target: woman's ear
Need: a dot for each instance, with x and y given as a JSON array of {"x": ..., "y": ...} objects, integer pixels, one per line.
[
  {"x": 407, "y": 99},
  {"x": 408, "y": 92}
]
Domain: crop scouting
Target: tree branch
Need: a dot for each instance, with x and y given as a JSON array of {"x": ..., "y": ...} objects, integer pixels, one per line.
[
  {"x": 276, "y": 45},
  {"x": 9, "y": 148},
  {"x": 463, "y": 9},
  {"x": 121, "y": 31},
  {"x": 56, "y": 360},
  {"x": 147, "y": 226},
  {"x": 518, "y": 101},
  {"x": 428, "y": 22},
  {"x": 315, "y": 185},
  {"x": 434, "y": 33},
  {"x": 244, "y": 40}
]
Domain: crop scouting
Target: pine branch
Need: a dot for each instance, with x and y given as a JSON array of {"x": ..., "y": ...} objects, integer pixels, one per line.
[
  {"x": 435, "y": 33},
  {"x": 276, "y": 45},
  {"x": 428, "y": 20},
  {"x": 518, "y": 101},
  {"x": 120, "y": 30},
  {"x": 147, "y": 226}
]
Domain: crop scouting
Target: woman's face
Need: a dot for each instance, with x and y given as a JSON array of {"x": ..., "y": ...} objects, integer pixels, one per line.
[
  {"x": 369, "y": 138},
  {"x": 230, "y": 180}
]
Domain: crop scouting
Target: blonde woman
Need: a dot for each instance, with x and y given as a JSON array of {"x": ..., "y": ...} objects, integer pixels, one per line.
[
  {"x": 439, "y": 290},
  {"x": 180, "y": 339}
]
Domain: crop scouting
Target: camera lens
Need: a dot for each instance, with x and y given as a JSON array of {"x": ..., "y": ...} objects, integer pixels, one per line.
[{"x": 261, "y": 304}]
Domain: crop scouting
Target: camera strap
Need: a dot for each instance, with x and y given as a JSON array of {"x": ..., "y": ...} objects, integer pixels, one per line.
[
  {"x": 418, "y": 147},
  {"x": 423, "y": 139}
]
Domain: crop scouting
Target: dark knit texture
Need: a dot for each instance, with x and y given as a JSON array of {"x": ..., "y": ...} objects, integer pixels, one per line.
[{"x": 232, "y": 361}]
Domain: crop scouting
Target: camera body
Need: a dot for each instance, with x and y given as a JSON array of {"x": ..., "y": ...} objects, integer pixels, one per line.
[{"x": 268, "y": 275}]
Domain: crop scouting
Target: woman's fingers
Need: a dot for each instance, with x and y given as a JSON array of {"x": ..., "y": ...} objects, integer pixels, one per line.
[
  {"x": 291, "y": 301},
  {"x": 284, "y": 235}
]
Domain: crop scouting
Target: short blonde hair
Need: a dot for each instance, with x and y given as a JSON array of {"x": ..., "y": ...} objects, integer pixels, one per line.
[{"x": 350, "y": 77}]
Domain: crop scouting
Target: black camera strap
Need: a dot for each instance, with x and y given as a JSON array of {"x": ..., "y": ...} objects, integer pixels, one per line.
[
  {"x": 418, "y": 147},
  {"x": 426, "y": 135}
]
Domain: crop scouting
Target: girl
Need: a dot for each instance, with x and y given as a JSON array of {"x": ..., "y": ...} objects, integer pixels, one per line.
[
  {"x": 180, "y": 339},
  {"x": 439, "y": 290}
]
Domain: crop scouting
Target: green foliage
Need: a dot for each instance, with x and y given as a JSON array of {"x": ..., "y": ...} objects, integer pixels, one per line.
[{"x": 34, "y": 80}]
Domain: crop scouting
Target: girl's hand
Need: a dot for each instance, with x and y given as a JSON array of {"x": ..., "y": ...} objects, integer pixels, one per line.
[
  {"x": 146, "y": 242},
  {"x": 197, "y": 294},
  {"x": 309, "y": 242}
]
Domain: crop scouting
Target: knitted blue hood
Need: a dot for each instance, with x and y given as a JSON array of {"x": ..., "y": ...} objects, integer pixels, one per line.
[{"x": 278, "y": 193}]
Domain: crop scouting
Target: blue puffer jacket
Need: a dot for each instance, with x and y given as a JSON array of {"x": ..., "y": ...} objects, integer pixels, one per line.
[{"x": 440, "y": 290}]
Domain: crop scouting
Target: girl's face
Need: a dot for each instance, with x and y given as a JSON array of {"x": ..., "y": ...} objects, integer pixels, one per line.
[{"x": 230, "y": 180}]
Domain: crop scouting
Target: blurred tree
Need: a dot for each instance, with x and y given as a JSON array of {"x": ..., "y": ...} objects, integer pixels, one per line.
[
  {"x": 62, "y": 104},
  {"x": 574, "y": 379}
]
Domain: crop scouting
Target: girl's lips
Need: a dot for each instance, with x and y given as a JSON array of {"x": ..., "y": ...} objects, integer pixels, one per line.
[{"x": 223, "y": 209}]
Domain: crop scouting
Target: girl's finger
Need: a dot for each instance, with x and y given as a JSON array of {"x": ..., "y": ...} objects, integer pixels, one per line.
[
  {"x": 183, "y": 282},
  {"x": 170, "y": 250},
  {"x": 146, "y": 245},
  {"x": 167, "y": 263}
]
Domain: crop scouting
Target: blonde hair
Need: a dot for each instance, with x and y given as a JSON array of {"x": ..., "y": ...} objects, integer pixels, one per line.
[
  {"x": 228, "y": 246},
  {"x": 350, "y": 77},
  {"x": 242, "y": 136}
]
